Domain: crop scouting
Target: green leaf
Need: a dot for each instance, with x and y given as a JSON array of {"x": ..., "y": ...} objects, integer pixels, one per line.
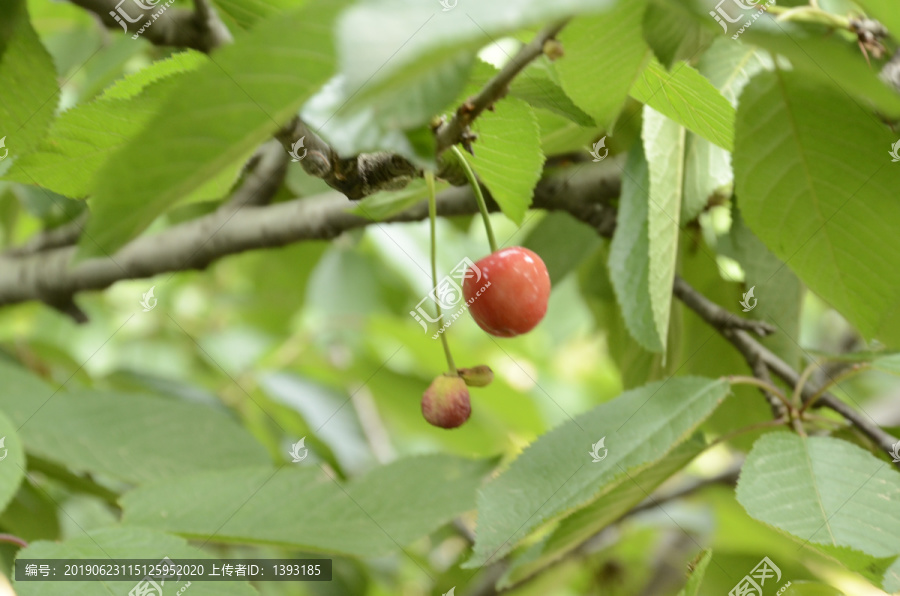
[
  {"x": 823, "y": 490},
  {"x": 687, "y": 97},
  {"x": 664, "y": 145},
  {"x": 27, "y": 80},
  {"x": 303, "y": 507},
  {"x": 120, "y": 543},
  {"x": 636, "y": 365},
  {"x": 729, "y": 66},
  {"x": 402, "y": 62},
  {"x": 888, "y": 364},
  {"x": 390, "y": 119},
  {"x": 692, "y": 588},
  {"x": 707, "y": 167},
  {"x": 608, "y": 48},
  {"x": 508, "y": 156},
  {"x": 555, "y": 475},
  {"x": 836, "y": 64},
  {"x": 673, "y": 33},
  {"x": 604, "y": 511},
  {"x": 246, "y": 13},
  {"x": 395, "y": 43},
  {"x": 777, "y": 291},
  {"x": 134, "y": 84},
  {"x": 83, "y": 139},
  {"x": 707, "y": 172},
  {"x": 629, "y": 256},
  {"x": 252, "y": 88},
  {"x": 561, "y": 135},
  {"x": 12, "y": 464},
  {"x": 538, "y": 85},
  {"x": 32, "y": 514},
  {"x": 130, "y": 437},
  {"x": 811, "y": 200}
]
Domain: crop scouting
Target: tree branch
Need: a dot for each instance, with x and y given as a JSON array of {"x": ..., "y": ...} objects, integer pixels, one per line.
[
  {"x": 754, "y": 352},
  {"x": 356, "y": 177},
  {"x": 198, "y": 29},
  {"x": 49, "y": 275},
  {"x": 714, "y": 314}
]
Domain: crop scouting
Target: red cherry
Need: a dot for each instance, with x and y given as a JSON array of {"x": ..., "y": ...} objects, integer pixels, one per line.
[
  {"x": 516, "y": 299},
  {"x": 446, "y": 402}
]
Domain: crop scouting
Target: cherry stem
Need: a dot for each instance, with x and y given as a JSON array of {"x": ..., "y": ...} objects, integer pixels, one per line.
[
  {"x": 432, "y": 218},
  {"x": 476, "y": 188},
  {"x": 10, "y": 539}
]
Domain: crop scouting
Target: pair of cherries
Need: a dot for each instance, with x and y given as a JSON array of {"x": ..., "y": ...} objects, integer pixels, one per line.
[{"x": 513, "y": 303}]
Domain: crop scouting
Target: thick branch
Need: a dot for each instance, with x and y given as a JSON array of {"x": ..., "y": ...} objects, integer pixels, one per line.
[
  {"x": 356, "y": 177},
  {"x": 195, "y": 244},
  {"x": 173, "y": 27}
]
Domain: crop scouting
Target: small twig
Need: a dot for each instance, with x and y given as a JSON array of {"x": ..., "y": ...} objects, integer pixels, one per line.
[{"x": 452, "y": 131}]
